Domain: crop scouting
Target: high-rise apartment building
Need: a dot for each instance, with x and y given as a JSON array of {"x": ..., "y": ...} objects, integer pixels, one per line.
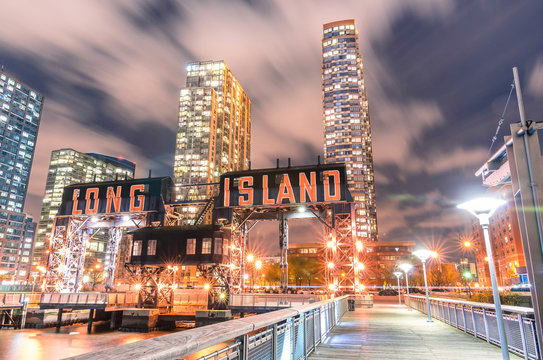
[
  {"x": 20, "y": 114},
  {"x": 214, "y": 129},
  {"x": 68, "y": 167},
  {"x": 347, "y": 133}
]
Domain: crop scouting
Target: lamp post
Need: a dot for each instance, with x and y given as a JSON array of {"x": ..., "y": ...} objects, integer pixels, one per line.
[
  {"x": 483, "y": 208},
  {"x": 398, "y": 275},
  {"x": 406, "y": 267},
  {"x": 467, "y": 277},
  {"x": 423, "y": 255},
  {"x": 258, "y": 266}
]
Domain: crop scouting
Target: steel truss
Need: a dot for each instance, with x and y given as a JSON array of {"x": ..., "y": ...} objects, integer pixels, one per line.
[
  {"x": 343, "y": 253},
  {"x": 217, "y": 276},
  {"x": 68, "y": 243},
  {"x": 66, "y": 255},
  {"x": 155, "y": 284}
]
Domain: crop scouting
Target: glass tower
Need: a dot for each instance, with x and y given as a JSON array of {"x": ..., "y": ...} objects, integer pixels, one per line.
[
  {"x": 214, "y": 129},
  {"x": 68, "y": 167},
  {"x": 347, "y": 133},
  {"x": 20, "y": 114}
]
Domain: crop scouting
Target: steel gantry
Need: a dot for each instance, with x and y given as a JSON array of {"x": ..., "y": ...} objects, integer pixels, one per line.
[{"x": 70, "y": 239}]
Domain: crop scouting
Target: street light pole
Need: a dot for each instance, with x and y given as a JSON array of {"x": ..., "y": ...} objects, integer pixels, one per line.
[
  {"x": 427, "y": 297},
  {"x": 406, "y": 267},
  {"x": 423, "y": 255},
  {"x": 483, "y": 208},
  {"x": 398, "y": 275},
  {"x": 496, "y": 294}
]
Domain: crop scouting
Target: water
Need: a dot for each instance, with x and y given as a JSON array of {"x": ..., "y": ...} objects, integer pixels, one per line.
[{"x": 45, "y": 344}]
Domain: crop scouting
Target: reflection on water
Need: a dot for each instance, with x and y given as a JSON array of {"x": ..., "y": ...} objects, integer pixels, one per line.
[{"x": 41, "y": 344}]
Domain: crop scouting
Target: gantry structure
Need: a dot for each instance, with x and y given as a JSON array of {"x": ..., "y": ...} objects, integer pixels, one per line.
[{"x": 241, "y": 200}]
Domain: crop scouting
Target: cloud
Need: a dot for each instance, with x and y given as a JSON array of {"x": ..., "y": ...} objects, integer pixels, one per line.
[
  {"x": 535, "y": 80},
  {"x": 111, "y": 72}
]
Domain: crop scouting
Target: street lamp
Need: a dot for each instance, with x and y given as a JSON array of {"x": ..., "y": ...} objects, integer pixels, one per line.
[
  {"x": 406, "y": 267},
  {"x": 483, "y": 208},
  {"x": 398, "y": 274},
  {"x": 467, "y": 277},
  {"x": 423, "y": 255}
]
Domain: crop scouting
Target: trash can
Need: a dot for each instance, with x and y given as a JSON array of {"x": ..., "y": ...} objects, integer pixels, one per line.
[{"x": 351, "y": 304}]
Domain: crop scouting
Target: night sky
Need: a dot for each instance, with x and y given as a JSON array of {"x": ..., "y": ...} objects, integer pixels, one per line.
[{"x": 437, "y": 74}]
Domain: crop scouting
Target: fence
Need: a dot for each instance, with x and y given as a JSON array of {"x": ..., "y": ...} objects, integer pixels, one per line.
[
  {"x": 82, "y": 299},
  {"x": 18, "y": 298},
  {"x": 290, "y": 333},
  {"x": 479, "y": 320},
  {"x": 272, "y": 300}
]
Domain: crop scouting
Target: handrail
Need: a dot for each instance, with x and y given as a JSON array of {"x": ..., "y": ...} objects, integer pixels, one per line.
[
  {"x": 480, "y": 320},
  {"x": 507, "y": 308},
  {"x": 177, "y": 345}
]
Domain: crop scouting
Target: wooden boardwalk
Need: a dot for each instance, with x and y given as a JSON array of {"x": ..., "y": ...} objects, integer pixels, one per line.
[{"x": 389, "y": 331}]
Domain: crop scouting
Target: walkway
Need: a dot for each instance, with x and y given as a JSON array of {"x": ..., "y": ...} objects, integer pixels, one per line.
[{"x": 389, "y": 331}]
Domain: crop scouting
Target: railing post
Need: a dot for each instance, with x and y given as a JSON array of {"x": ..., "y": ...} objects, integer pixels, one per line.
[
  {"x": 523, "y": 336},
  {"x": 455, "y": 316},
  {"x": 274, "y": 342},
  {"x": 305, "y": 335},
  {"x": 464, "y": 317},
  {"x": 243, "y": 347},
  {"x": 449, "y": 313},
  {"x": 474, "y": 323},
  {"x": 486, "y": 326},
  {"x": 293, "y": 339}
]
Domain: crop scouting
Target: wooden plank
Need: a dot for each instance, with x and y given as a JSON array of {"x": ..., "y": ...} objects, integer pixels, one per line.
[{"x": 389, "y": 331}]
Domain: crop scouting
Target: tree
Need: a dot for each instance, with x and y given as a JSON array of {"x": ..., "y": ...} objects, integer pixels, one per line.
[
  {"x": 303, "y": 269},
  {"x": 385, "y": 274},
  {"x": 445, "y": 274},
  {"x": 272, "y": 274}
]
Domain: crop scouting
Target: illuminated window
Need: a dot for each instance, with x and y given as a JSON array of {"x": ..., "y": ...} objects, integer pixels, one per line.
[
  {"x": 206, "y": 246},
  {"x": 151, "y": 247},
  {"x": 136, "y": 250},
  {"x": 218, "y": 246},
  {"x": 191, "y": 246}
]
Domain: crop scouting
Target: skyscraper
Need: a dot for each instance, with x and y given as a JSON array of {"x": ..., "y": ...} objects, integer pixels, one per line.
[
  {"x": 347, "y": 133},
  {"x": 214, "y": 129},
  {"x": 68, "y": 167},
  {"x": 20, "y": 115}
]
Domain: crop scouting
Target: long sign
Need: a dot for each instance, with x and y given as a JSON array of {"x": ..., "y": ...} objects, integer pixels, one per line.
[
  {"x": 136, "y": 195},
  {"x": 283, "y": 186}
]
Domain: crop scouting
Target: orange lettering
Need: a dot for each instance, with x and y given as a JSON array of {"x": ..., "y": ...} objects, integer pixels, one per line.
[
  {"x": 265, "y": 192},
  {"x": 337, "y": 194},
  {"x": 75, "y": 211},
  {"x": 114, "y": 199},
  {"x": 285, "y": 191},
  {"x": 141, "y": 198},
  {"x": 88, "y": 208},
  {"x": 306, "y": 187},
  {"x": 246, "y": 191},
  {"x": 226, "y": 192}
]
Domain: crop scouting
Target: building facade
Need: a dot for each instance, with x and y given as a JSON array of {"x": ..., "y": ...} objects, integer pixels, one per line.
[
  {"x": 504, "y": 229},
  {"x": 68, "y": 167},
  {"x": 20, "y": 114},
  {"x": 214, "y": 130},
  {"x": 347, "y": 132}
]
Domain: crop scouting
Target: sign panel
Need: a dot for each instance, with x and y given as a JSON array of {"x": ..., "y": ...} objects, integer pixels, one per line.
[
  {"x": 284, "y": 186},
  {"x": 124, "y": 196}
]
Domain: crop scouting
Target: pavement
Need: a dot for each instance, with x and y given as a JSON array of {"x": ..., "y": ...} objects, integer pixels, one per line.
[{"x": 391, "y": 331}]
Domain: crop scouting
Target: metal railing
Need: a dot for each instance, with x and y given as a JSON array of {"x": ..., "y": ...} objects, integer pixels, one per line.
[
  {"x": 18, "y": 298},
  {"x": 479, "y": 320},
  {"x": 272, "y": 300},
  {"x": 290, "y": 333},
  {"x": 105, "y": 299}
]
